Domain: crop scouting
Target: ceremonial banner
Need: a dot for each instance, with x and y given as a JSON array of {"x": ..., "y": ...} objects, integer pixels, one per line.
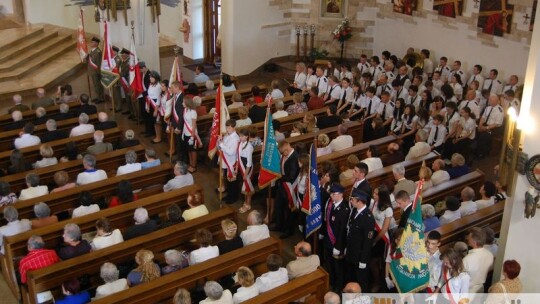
[
  {"x": 109, "y": 71},
  {"x": 312, "y": 198},
  {"x": 270, "y": 160},
  {"x": 135, "y": 79},
  {"x": 82, "y": 47},
  {"x": 176, "y": 75},
  {"x": 410, "y": 270},
  {"x": 221, "y": 115}
]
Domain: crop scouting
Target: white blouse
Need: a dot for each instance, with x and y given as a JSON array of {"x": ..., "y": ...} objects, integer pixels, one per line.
[
  {"x": 189, "y": 116},
  {"x": 246, "y": 151},
  {"x": 300, "y": 80}
]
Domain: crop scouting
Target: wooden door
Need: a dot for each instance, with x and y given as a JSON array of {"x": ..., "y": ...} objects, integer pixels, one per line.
[{"x": 212, "y": 20}]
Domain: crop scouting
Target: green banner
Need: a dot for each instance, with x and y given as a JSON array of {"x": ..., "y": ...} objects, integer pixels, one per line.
[
  {"x": 409, "y": 268},
  {"x": 108, "y": 79}
]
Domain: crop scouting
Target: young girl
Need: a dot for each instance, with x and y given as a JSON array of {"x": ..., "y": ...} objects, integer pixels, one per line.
[
  {"x": 454, "y": 282},
  {"x": 409, "y": 127},
  {"x": 397, "y": 122},
  {"x": 457, "y": 86},
  {"x": 245, "y": 168},
  {"x": 392, "y": 255},
  {"x": 424, "y": 120},
  {"x": 302, "y": 181},
  {"x": 436, "y": 106},
  {"x": 191, "y": 140},
  {"x": 425, "y": 102},
  {"x": 151, "y": 107},
  {"x": 159, "y": 113},
  {"x": 331, "y": 70},
  {"x": 347, "y": 95}
]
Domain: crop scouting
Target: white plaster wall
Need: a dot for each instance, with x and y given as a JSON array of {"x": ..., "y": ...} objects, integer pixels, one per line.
[
  {"x": 250, "y": 35},
  {"x": 55, "y": 12},
  {"x": 395, "y": 35},
  {"x": 169, "y": 22},
  {"x": 6, "y": 7}
]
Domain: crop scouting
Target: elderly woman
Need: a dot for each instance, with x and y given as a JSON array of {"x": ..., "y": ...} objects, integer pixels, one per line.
[
  {"x": 175, "y": 260},
  {"x": 203, "y": 237},
  {"x": 215, "y": 294},
  {"x": 48, "y": 159},
  {"x": 14, "y": 225},
  {"x": 146, "y": 270},
  {"x": 124, "y": 194},
  {"x": 322, "y": 145},
  {"x": 105, "y": 235},
  {"x": 143, "y": 224},
  {"x": 73, "y": 294},
  {"x": 279, "y": 113},
  {"x": 425, "y": 173},
  {"x": 129, "y": 140},
  {"x": 244, "y": 118},
  {"x": 34, "y": 188},
  {"x": 182, "y": 296},
  {"x": 18, "y": 164},
  {"x": 131, "y": 164},
  {"x": 61, "y": 179},
  {"x": 113, "y": 284},
  {"x": 431, "y": 222},
  {"x": 507, "y": 289},
  {"x": 174, "y": 216},
  {"x": 248, "y": 288},
  {"x": 236, "y": 101},
  {"x": 232, "y": 240},
  {"x": 6, "y": 196},
  {"x": 458, "y": 167},
  {"x": 201, "y": 110},
  {"x": 348, "y": 170},
  {"x": 85, "y": 205},
  {"x": 196, "y": 207},
  {"x": 43, "y": 216},
  {"x": 299, "y": 106}
]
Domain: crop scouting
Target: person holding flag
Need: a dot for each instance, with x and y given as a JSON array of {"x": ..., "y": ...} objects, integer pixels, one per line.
[
  {"x": 245, "y": 168},
  {"x": 176, "y": 119},
  {"x": 124, "y": 81},
  {"x": 163, "y": 108},
  {"x": 94, "y": 69},
  {"x": 228, "y": 147},
  {"x": 360, "y": 236},
  {"x": 190, "y": 136},
  {"x": 455, "y": 281}
]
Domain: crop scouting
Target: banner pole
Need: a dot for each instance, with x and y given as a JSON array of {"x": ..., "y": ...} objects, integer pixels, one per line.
[
  {"x": 111, "y": 93},
  {"x": 220, "y": 181},
  {"x": 171, "y": 140}
]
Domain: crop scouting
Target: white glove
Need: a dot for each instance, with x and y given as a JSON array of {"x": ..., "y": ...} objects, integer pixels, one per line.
[
  {"x": 432, "y": 298},
  {"x": 321, "y": 236},
  {"x": 389, "y": 283},
  {"x": 362, "y": 265},
  {"x": 191, "y": 141},
  {"x": 335, "y": 251}
]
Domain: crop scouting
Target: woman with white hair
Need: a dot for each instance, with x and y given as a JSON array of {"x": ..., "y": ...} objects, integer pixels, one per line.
[
  {"x": 113, "y": 284},
  {"x": 431, "y": 222},
  {"x": 131, "y": 164},
  {"x": 279, "y": 113},
  {"x": 210, "y": 91},
  {"x": 13, "y": 226},
  {"x": 47, "y": 155},
  {"x": 175, "y": 260},
  {"x": 215, "y": 294},
  {"x": 129, "y": 140},
  {"x": 43, "y": 216},
  {"x": 143, "y": 224},
  {"x": 201, "y": 110}
]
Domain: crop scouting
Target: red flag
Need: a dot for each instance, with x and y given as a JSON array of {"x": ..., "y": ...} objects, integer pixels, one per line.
[
  {"x": 221, "y": 115},
  {"x": 82, "y": 47},
  {"x": 135, "y": 80},
  {"x": 108, "y": 64}
]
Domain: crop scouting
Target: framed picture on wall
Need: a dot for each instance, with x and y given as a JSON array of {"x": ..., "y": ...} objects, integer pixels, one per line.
[{"x": 333, "y": 8}]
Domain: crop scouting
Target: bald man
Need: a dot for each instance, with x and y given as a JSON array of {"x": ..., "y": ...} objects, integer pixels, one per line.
[
  {"x": 305, "y": 262},
  {"x": 42, "y": 101},
  {"x": 104, "y": 122},
  {"x": 352, "y": 293},
  {"x": 331, "y": 298}
]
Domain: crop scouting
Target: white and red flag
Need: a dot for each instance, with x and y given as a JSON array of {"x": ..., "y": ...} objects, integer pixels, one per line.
[{"x": 82, "y": 47}]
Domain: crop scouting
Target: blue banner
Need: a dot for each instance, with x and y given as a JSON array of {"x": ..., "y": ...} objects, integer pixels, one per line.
[{"x": 314, "y": 217}]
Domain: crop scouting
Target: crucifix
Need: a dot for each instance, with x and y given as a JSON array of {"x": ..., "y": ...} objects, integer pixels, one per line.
[{"x": 526, "y": 18}]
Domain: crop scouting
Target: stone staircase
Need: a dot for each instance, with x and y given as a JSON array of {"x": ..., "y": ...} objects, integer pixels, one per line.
[{"x": 39, "y": 55}]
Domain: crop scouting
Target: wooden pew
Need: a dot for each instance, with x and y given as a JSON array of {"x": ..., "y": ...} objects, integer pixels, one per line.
[
  {"x": 148, "y": 178},
  {"x": 356, "y": 130},
  {"x": 164, "y": 288},
  {"x": 7, "y": 138},
  {"x": 376, "y": 177},
  {"x": 314, "y": 285},
  {"x": 30, "y": 115},
  {"x": 210, "y": 101},
  {"x": 120, "y": 217},
  {"x": 109, "y": 162},
  {"x": 31, "y": 154},
  {"x": 457, "y": 230},
  {"x": 159, "y": 241}
]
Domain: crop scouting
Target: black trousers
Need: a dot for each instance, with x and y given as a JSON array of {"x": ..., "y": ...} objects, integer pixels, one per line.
[
  {"x": 335, "y": 268},
  {"x": 147, "y": 117},
  {"x": 283, "y": 217},
  {"x": 355, "y": 274},
  {"x": 232, "y": 188}
]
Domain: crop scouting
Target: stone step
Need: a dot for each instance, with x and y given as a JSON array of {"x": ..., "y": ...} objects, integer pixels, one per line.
[
  {"x": 14, "y": 36},
  {"x": 28, "y": 44},
  {"x": 42, "y": 50},
  {"x": 31, "y": 65}
]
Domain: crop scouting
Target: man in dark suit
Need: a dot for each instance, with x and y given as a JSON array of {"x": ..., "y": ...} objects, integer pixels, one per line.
[
  {"x": 104, "y": 122},
  {"x": 335, "y": 236},
  {"x": 285, "y": 218},
  {"x": 52, "y": 133},
  {"x": 361, "y": 232},
  {"x": 177, "y": 118},
  {"x": 63, "y": 114},
  {"x": 256, "y": 113},
  {"x": 393, "y": 156},
  {"x": 360, "y": 171},
  {"x": 43, "y": 101},
  {"x": 41, "y": 117},
  {"x": 404, "y": 201},
  {"x": 17, "y": 123},
  {"x": 146, "y": 117},
  {"x": 331, "y": 120},
  {"x": 85, "y": 106}
]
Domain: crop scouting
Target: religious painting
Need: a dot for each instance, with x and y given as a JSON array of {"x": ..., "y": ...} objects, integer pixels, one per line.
[
  {"x": 448, "y": 8},
  {"x": 495, "y": 17},
  {"x": 405, "y": 6},
  {"x": 333, "y": 8}
]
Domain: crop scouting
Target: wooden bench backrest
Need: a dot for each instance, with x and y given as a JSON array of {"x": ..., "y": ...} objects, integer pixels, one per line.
[
  {"x": 7, "y": 138},
  {"x": 315, "y": 284},
  {"x": 158, "y": 241},
  {"x": 31, "y": 154},
  {"x": 120, "y": 217},
  {"x": 66, "y": 199},
  {"x": 109, "y": 162},
  {"x": 210, "y": 101},
  {"x": 31, "y": 114},
  {"x": 164, "y": 288}
]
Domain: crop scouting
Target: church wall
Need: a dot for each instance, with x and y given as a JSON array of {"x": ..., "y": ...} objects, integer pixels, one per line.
[
  {"x": 58, "y": 13},
  {"x": 6, "y": 7},
  {"x": 169, "y": 22}
]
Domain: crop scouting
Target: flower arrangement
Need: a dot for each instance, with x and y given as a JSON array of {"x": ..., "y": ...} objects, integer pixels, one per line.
[{"x": 343, "y": 31}]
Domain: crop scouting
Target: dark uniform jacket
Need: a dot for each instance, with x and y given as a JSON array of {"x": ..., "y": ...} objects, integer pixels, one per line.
[
  {"x": 360, "y": 237},
  {"x": 53, "y": 135},
  {"x": 337, "y": 219},
  {"x": 179, "y": 109},
  {"x": 105, "y": 125}
]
